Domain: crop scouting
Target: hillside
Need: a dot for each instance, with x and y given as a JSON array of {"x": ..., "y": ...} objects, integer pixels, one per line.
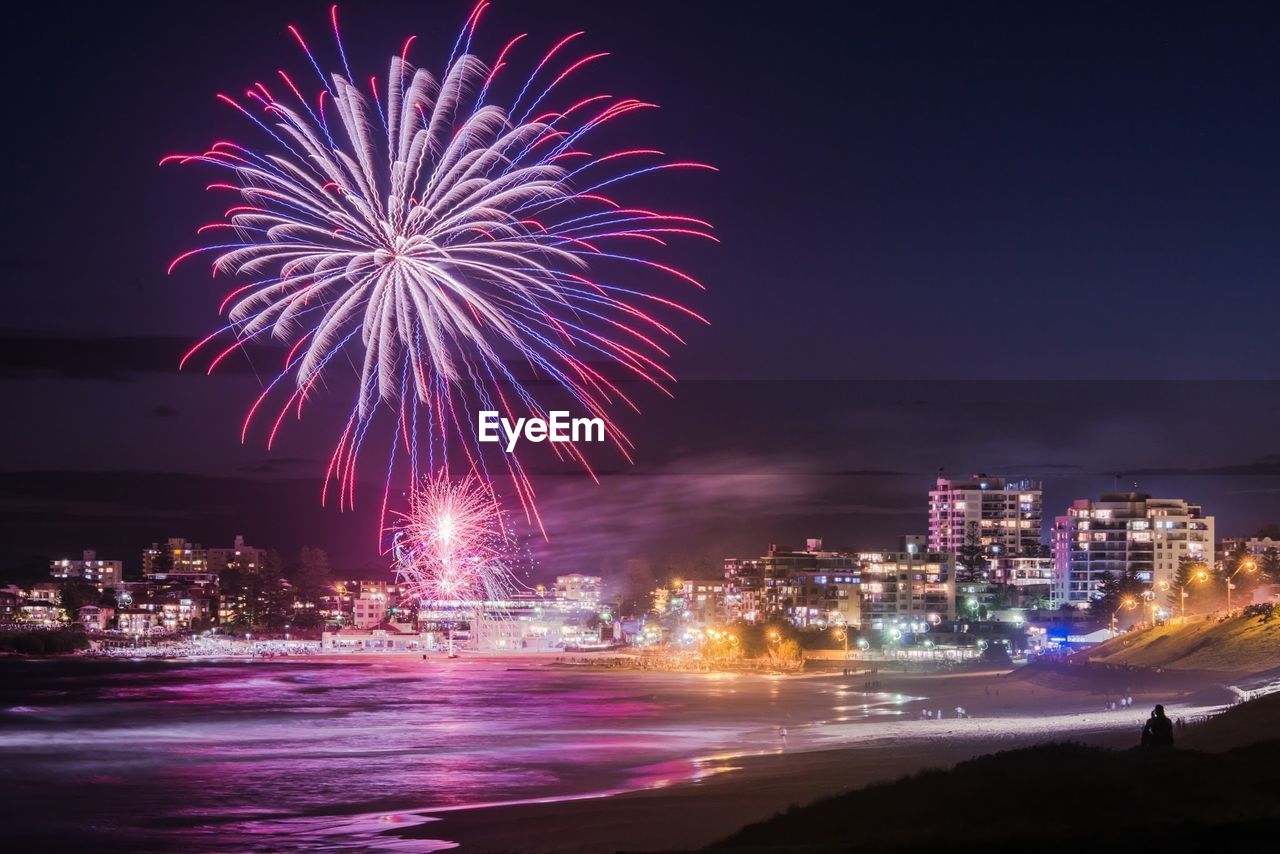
[
  {"x": 1243, "y": 644},
  {"x": 1182, "y": 799}
]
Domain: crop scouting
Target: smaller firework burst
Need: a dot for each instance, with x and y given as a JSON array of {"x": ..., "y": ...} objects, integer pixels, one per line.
[{"x": 453, "y": 548}]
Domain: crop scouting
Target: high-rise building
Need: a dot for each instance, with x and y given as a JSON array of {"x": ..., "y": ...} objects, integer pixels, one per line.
[
  {"x": 1126, "y": 533},
  {"x": 238, "y": 556},
  {"x": 909, "y": 589},
  {"x": 177, "y": 560},
  {"x": 101, "y": 573},
  {"x": 1001, "y": 513}
]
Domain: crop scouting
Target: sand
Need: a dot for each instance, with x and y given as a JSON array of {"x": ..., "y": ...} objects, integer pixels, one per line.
[{"x": 704, "y": 799}]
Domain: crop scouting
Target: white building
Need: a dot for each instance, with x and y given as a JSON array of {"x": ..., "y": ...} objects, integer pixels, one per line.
[
  {"x": 908, "y": 589},
  {"x": 369, "y": 609},
  {"x": 1004, "y": 513},
  {"x": 1127, "y": 533},
  {"x": 576, "y": 591},
  {"x": 100, "y": 573}
]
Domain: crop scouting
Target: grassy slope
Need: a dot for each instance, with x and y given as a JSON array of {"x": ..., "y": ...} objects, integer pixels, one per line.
[
  {"x": 1238, "y": 645},
  {"x": 1057, "y": 797},
  {"x": 1063, "y": 797}
]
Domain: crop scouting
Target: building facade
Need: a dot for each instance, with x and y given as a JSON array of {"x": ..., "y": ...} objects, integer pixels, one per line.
[
  {"x": 177, "y": 560},
  {"x": 238, "y": 556},
  {"x": 907, "y": 590},
  {"x": 91, "y": 570},
  {"x": 1127, "y": 533},
  {"x": 578, "y": 592},
  {"x": 1005, "y": 515},
  {"x": 799, "y": 585}
]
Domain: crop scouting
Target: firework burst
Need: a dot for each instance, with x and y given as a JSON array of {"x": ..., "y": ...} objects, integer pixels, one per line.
[
  {"x": 446, "y": 244},
  {"x": 451, "y": 546}
]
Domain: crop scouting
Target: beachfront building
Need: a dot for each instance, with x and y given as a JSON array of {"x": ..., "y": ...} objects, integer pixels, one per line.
[
  {"x": 798, "y": 584},
  {"x": 40, "y": 606},
  {"x": 1126, "y": 533},
  {"x": 701, "y": 600},
  {"x": 743, "y": 588},
  {"x": 385, "y": 637},
  {"x": 171, "y": 610},
  {"x": 179, "y": 561},
  {"x": 96, "y": 618},
  {"x": 822, "y": 597},
  {"x": 1003, "y": 514},
  {"x": 907, "y": 590},
  {"x": 578, "y": 592},
  {"x": 1027, "y": 579},
  {"x": 89, "y": 569},
  {"x": 239, "y": 556},
  {"x": 369, "y": 609}
]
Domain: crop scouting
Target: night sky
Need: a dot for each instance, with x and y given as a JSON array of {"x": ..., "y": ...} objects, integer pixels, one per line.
[{"x": 1014, "y": 238}]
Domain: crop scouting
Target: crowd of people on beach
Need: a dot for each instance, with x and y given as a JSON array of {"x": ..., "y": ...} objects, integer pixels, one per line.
[{"x": 208, "y": 647}]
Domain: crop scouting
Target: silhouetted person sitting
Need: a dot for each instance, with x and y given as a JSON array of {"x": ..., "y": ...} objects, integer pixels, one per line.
[{"x": 1158, "y": 730}]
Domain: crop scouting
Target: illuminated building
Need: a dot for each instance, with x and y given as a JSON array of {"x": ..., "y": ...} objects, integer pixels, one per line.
[
  {"x": 100, "y": 573},
  {"x": 1256, "y": 546},
  {"x": 578, "y": 591},
  {"x": 177, "y": 560},
  {"x": 96, "y": 618},
  {"x": 702, "y": 600},
  {"x": 800, "y": 585},
  {"x": 369, "y": 609},
  {"x": 1004, "y": 514},
  {"x": 1126, "y": 533},
  {"x": 910, "y": 589},
  {"x": 239, "y": 556}
]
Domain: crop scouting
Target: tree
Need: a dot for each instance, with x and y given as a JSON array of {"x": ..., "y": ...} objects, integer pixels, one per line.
[
  {"x": 1270, "y": 531},
  {"x": 312, "y": 574},
  {"x": 971, "y": 557},
  {"x": 636, "y": 585},
  {"x": 310, "y": 577},
  {"x": 1198, "y": 580},
  {"x": 1245, "y": 571},
  {"x": 1038, "y": 550},
  {"x": 74, "y": 595},
  {"x": 274, "y": 596},
  {"x": 1269, "y": 565},
  {"x": 1114, "y": 591}
]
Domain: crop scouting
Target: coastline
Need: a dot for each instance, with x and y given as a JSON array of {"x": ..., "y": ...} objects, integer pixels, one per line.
[
  {"x": 708, "y": 798},
  {"x": 691, "y": 803}
]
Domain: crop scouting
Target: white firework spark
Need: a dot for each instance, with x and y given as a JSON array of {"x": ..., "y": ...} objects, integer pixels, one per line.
[
  {"x": 434, "y": 238},
  {"x": 451, "y": 547}
]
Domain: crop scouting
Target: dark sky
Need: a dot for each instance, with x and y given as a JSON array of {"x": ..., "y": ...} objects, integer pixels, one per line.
[{"x": 1017, "y": 238}]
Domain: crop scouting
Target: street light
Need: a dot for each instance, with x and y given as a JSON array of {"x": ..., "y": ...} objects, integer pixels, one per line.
[
  {"x": 1127, "y": 602},
  {"x": 842, "y": 634},
  {"x": 1248, "y": 565},
  {"x": 1199, "y": 576},
  {"x": 1150, "y": 596}
]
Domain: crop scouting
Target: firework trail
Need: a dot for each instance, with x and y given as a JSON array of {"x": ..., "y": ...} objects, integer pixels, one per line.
[
  {"x": 451, "y": 546},
  {"x": 446, "y": 246}
]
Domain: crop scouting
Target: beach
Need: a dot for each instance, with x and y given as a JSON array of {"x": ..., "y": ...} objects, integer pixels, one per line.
[{"x": 493, "y": 753}]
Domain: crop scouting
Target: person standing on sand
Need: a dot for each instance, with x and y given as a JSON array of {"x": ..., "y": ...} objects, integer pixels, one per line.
[{"x": 1158, "y": 730}]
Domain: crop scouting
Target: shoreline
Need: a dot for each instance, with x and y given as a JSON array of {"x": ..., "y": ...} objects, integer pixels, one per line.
[
  {"x": 716, "y": 795},
  {"x": 690, "y": 803}
]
